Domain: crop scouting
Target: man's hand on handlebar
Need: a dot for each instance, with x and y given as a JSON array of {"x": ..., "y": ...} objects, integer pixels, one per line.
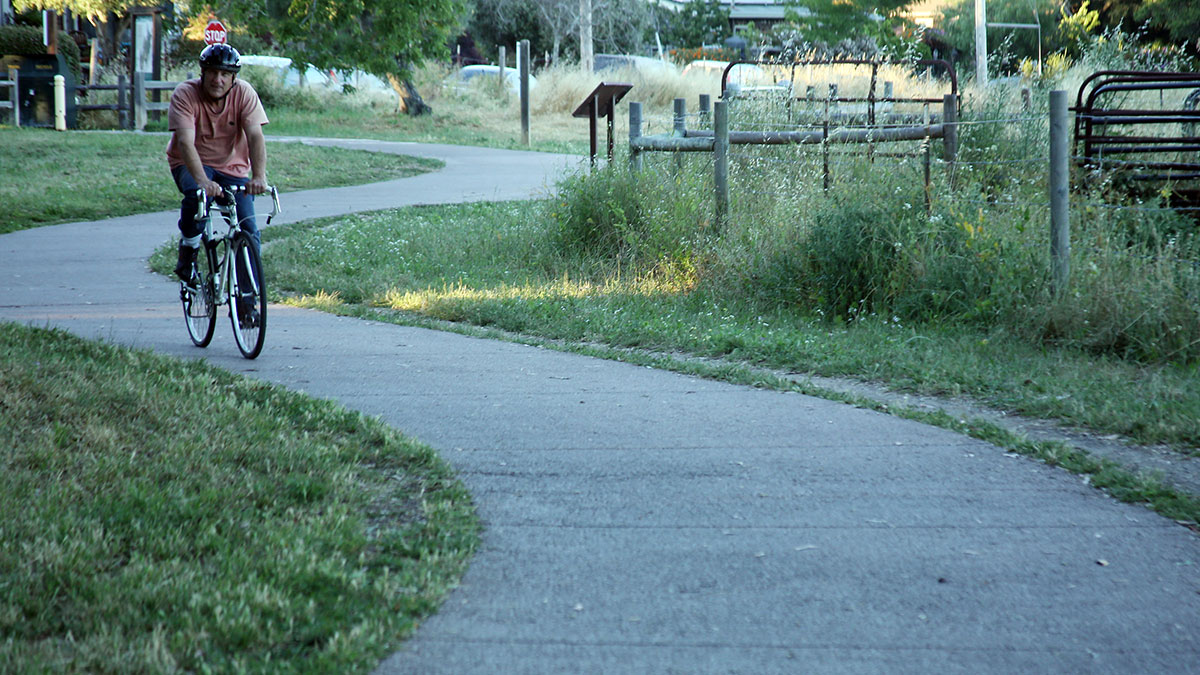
[
  {"x": 257, "y": 186},
  {"x": 211, "y": 188}
]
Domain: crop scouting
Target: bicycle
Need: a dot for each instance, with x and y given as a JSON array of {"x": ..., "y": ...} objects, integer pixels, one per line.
[{"x": 229, "y": 273}]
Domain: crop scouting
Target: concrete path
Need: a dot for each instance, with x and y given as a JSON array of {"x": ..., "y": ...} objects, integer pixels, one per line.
[{"x": 644, "y": 521}]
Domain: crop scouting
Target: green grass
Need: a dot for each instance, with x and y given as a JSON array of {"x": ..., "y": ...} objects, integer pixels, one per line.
[
  {"x": 159, "y": 515},
  {"x": 463, "y": 127},
  {"x": 49, "y": 177}
]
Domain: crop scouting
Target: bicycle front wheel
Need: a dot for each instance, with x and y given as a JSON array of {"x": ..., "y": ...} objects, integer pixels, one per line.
[
  {"x": 199, "y": 300},
  {"x": 248, "y": 297}
]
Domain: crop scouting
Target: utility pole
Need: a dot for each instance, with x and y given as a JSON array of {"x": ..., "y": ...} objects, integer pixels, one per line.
[
  {"x": 586, "y": 56},
  {"x": 981, "y": 76}
]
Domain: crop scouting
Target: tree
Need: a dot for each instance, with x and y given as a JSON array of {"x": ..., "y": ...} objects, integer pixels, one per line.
[
  {"x": 832, "y": 21},
  {"x": 386, "y": 38},
  {"x": 697, "y": 23},
  {"x": 1010, "y": 45},
  {"x": 553, "y": 25},
  {"x": 1180, "y": 18},
  {"x": 97, "y": 12},
  {"x": 1075, "y": 28},
  {"x": 620, "y": 26}
]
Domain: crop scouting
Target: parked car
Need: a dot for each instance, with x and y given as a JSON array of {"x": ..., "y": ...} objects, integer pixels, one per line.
[
  {"x": 469, "y": 76},
  {"x": 315, "y": 77},
  {"x": 644, "y": 64},
  {"x": 744, "y": 78},
  {"x": 282, "y": 66}
]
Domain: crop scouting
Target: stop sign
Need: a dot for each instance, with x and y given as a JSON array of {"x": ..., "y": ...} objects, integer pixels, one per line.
[{"x": 214, "y": 33}]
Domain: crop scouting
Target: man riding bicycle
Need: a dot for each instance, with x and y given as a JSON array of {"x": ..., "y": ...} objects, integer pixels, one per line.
[{"x": 216, "y": 143}]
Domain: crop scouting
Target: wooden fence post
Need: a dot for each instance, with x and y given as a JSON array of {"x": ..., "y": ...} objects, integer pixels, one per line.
[
  {"x": 635, "y": 132},
  {"x": 523, "y": 52},
  {"x": 679, "y": 128},
  {"x": 123, "y": 102},
  {"x": 139, "y": 101},
  {"x": 949, "y": 129},
  {"x": 1060, "y": 192},
  {"x": 721, "y": 160},
  {"x": 680, "y": 121},
  {"x": 501, "y": 81}
]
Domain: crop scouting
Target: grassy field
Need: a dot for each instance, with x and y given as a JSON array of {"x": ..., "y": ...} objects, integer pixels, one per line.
[
  {"x": 48, "y": 177},
  {"x": 478, "y": 114},
  {"x": 166, "y": 516}
]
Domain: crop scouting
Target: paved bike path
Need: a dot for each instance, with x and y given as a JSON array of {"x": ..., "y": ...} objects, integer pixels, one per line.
[{"x": 644, "y": 521}]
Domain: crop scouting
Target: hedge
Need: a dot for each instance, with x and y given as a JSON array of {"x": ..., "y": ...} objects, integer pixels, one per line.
[{"x": 27, "y": 41}]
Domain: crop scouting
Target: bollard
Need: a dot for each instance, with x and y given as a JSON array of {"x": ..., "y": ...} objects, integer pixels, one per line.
[
  {"x": 1060, "y": 192},
  {"x": 60, "y": 103}
]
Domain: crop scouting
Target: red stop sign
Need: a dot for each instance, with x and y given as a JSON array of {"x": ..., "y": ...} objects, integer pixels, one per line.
[{"x": 214, "y": 33}]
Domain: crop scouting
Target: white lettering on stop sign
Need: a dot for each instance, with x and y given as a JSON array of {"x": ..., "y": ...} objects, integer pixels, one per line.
[{"x": 214, "y": 33}]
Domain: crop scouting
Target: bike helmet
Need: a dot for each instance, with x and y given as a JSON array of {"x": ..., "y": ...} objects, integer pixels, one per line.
[{"x": 221, "y": 57}]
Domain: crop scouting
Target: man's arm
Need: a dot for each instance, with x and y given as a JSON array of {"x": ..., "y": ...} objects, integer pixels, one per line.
[
  {"x": 258, "y": 159},
  {"x": 185, "y": 141}
]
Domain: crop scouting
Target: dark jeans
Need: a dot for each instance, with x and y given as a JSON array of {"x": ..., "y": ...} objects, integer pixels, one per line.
[{"x": 188, "y": 226}]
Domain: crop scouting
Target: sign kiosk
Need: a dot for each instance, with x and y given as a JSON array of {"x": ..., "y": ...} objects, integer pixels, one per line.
[{"x": 602, "y": 102}]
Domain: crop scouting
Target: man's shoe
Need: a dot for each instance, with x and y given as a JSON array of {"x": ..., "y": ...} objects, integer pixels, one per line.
[{"x": 187, "y": 258}]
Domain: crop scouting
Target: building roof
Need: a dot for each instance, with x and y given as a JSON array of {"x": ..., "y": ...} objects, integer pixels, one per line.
[{"x": 744, "y": 10}]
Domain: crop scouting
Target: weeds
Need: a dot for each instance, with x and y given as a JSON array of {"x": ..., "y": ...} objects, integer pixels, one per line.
[{"x": 973, "y": 249}]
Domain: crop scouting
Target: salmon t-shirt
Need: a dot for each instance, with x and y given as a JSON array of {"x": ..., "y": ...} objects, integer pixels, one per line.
[{"x": 220, "y": 126}]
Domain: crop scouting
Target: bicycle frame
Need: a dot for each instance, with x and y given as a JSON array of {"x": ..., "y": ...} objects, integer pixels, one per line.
[
  {"x": 232, "y": 275},
  {"x": 216, "y": 236}
]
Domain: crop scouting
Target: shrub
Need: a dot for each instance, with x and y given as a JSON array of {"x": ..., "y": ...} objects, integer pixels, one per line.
[
  {"x": 1135, "y": 286},
  {"x": 27, "y": 41},
  {"x": 627, "y": 217},
  {"x": 867, "y": 249}
]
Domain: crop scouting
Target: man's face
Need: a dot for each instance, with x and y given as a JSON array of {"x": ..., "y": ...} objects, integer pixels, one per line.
[{"x": 216, "y": 83}]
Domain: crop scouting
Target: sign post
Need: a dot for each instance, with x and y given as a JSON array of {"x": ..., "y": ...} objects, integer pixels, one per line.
[{"x": 50, "y": 31}]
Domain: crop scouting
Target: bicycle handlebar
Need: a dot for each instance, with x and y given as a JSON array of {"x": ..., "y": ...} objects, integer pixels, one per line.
[{"x": 229, "y": 193}]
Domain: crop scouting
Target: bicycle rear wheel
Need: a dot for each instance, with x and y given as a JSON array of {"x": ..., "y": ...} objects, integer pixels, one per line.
[
  {"x": 198, "y": 298},
  {"x": 248, "y": 297}
]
